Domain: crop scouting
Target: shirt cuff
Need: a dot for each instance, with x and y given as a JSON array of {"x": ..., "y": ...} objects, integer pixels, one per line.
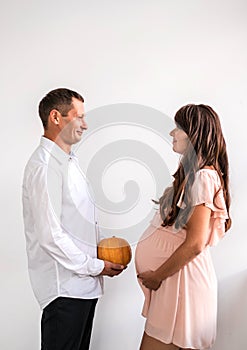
[{"x": 96, "y": 266}]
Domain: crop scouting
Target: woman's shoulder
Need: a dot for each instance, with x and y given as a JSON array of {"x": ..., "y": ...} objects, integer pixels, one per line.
[
  {"x": 207, "y": 176},
  {"x": 208, "y": 170},
  {"x": 206, "y": 185}
]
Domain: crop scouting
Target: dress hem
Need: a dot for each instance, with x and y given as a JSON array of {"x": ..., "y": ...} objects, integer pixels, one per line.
[{"x": 177, "y": 344}]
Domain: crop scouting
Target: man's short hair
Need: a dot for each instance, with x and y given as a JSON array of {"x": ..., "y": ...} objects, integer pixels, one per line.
[{"x": 59, "y": 99}]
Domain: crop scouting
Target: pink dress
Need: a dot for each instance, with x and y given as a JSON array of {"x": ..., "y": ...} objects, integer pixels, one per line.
[{"x": 183, "y": 310}]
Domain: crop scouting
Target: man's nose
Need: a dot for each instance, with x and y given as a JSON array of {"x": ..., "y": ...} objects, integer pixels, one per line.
[{"x": 84, "y": 125}]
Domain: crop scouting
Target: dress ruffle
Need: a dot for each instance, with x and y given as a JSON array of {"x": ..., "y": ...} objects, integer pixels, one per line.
[{"x": 206, "y": 190}]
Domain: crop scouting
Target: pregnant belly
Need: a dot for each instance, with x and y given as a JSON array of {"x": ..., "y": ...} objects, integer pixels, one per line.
[{"x": 155, "y": 246}]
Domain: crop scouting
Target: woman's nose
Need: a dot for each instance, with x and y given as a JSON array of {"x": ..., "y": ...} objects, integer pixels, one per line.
[{"x": 172, "y": 132}]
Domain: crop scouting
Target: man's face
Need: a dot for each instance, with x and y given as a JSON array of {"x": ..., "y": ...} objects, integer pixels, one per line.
[{"x": 73, "y": 125}]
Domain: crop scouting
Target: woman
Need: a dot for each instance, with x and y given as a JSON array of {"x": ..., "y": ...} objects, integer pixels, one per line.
[{"x": 173, "y": 262}]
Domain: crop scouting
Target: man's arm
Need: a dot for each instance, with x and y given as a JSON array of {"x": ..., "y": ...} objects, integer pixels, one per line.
[{"x": 50, "y": 234}]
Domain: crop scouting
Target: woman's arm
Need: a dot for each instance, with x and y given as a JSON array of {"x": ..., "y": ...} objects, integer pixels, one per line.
[{"x": 196, "y": 240}]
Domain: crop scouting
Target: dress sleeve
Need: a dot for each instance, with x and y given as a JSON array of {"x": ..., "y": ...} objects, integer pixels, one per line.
[{"x": 207, "y": 190}]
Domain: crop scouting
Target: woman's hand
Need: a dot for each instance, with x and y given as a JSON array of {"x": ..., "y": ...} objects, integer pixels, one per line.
[{"x": 150, "y": 280}]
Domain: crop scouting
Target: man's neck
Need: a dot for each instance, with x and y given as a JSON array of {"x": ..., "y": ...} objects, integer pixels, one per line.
[{"x": 65, "y": 147}]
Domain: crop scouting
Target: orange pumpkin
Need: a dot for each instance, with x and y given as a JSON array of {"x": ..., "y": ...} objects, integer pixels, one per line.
[{"x": 114, "y": 249}]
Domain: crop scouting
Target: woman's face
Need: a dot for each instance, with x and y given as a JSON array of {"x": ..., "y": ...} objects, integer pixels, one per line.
[{"x": 180, "y": 140}]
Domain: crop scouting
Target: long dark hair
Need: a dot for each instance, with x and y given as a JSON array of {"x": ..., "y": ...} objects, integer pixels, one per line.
[{"x": 206, "y": 147}]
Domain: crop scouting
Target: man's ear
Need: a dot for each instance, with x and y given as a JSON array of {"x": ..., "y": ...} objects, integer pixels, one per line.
[{"x": 54, "y": 117}]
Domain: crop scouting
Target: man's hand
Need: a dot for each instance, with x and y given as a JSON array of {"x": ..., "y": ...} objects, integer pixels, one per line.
[
  {"x": 150, "y": 280},
  {"x": 111, "y": 269}
]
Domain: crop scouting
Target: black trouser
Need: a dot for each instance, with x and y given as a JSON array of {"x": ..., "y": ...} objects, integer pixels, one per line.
[{"x": 66, "y": 324}]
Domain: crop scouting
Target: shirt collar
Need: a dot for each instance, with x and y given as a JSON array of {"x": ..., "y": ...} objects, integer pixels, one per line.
[{"x": 55, "y": 150}]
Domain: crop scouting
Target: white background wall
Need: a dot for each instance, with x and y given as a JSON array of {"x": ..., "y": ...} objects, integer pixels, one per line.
[{"x": 162, "y": 54}]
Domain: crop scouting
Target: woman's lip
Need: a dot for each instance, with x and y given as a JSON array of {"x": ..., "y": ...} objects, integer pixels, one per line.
[{"x": 79, "y": 132}]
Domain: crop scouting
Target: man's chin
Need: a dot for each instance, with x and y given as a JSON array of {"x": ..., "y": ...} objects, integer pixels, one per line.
[{"x": 78, "y": 139}]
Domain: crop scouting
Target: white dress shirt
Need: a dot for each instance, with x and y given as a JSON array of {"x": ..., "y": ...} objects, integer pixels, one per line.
[{"x": 60, "y": 227}]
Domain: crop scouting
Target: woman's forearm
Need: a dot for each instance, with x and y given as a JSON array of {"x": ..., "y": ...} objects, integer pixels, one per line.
[{"x": 181, "y": 257}]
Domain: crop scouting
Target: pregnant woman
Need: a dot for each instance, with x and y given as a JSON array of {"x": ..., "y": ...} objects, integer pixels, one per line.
[{"x": 173, "y": 262}]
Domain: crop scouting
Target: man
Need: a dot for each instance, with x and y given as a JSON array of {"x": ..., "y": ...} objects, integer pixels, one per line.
[{"x": 61, "y": 229}]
